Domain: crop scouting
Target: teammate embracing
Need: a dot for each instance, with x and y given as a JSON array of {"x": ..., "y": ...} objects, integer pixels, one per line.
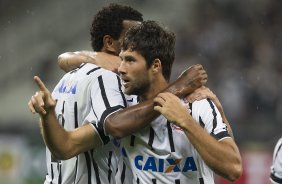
[{"x": 166, "y": 151}]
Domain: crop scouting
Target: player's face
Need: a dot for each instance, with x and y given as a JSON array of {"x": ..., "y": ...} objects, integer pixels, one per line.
[
  {"x": 126, "y": 25},
  {"x": 134, "y": 73}
]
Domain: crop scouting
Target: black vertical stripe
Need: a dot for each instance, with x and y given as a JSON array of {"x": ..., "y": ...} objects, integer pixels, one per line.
[
  {"x": 109, "y": 165},
  {"x": 52, "y": 173},
  {"x": 201, "y": 181},
  {"x": 132, "y": 140},
  {"x": 75, "y": 115},
  {"x": 177, "y": 181},
  {"x": 60, "y": 173},
  {"x": 63, "y": 110},
  {"x": 101, "y": 133},
  {"x": 123, "y": 173},
  {"x": 121, "y": 93},
  {"x": 96, "y": 169},
  {"x": 190, "y": 107},
  {"x": 170, "y": 136},
  {"x": 88, "y": 165},
  {"x": 201, "y": 122},
  {"x": 138, "y": 182},
  {"x": 154, "y": 181},
  {"x": 76, "y": 165},
  {"x": 103, "y": 92},
  {"x": 214, "y": 116},
  {"x": 277, "y": 151},
  {"x": 151, "y": 137},
  {"x": 93, "y": 107}
]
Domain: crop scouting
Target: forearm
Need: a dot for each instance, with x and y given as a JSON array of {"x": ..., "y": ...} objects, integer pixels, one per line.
[
  {"x": 223, "y": 157},
  {"x": 132, "y": 119},
  {"x": 71, "y": 60},
  {"x": 54, "y": 135}
]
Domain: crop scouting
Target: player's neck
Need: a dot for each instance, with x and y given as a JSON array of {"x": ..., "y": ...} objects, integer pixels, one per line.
[{"x": 155, "y": 88}]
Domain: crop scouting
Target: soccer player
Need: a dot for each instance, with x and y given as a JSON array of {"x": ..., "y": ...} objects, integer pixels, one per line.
[
  {"x": 169, "y": 151},
  {"x": 73, "y": 96},
  {"x": 101, "y": 89},
  {"x": 276, "y": 167},
  {"x": 163, "y": 152}
]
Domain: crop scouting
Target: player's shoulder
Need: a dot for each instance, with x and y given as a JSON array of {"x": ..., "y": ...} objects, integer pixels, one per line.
[
  {"x": 90, "y": 70},
  {"x": 203, "y": 103},
  {"x": 204, "y": 106}
]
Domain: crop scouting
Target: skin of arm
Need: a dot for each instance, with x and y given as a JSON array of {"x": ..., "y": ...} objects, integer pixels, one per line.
[
  {"x": 203, "y": 93},
  {"x": 222, "y": 157},
  {"x": 130, "y": 120},
  {"x": 71, "y": 60},
  {"x": 62, "y": 144},
  {"x": 120, "y": 123},
  {"x": 66, "y": 144}
]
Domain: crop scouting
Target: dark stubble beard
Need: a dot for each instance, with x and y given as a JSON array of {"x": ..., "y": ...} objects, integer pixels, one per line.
[{"x": 140, "y": 87}]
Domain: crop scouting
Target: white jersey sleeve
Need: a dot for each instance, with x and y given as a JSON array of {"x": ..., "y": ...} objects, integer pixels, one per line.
[
  {"x": 106, "y": 98},
  {"x": 276, "y": 167},
  {"x": 208, "y": 116}
]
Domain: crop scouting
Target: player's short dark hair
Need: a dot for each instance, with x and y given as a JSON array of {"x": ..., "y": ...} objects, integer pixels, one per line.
[
  {"x": 108, "y": 21},
  {"x": 152, "y": 41}
]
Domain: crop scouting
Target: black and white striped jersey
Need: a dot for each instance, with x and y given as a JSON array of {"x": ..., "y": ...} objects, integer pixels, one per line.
[
  {"x": 86, "y": 94},
  {"x": 161, "y": 153},
  {"x": 276, "y": 167}
]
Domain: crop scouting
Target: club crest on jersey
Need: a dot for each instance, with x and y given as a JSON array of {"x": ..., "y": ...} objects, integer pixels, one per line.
[
  {"x": 165, "y": 165},
  {"x": 68, "y": 87}
]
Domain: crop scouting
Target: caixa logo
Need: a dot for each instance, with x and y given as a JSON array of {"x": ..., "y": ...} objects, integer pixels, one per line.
[
  {"x": 69, "y": 87},
  {"x": 165, "y": 165}
]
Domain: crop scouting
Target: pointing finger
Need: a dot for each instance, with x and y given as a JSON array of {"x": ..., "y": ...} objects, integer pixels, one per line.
[{"x": 40, "y": 84}]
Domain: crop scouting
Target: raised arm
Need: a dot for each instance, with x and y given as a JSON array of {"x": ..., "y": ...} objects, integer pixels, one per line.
[
  {"x": 222, "y": 156},
  {"x": 66, "y": 144},
  {"x": 62, "y": 144},
  {"x": 132, "y": 119},
  {"x": 71, "y": 60}
]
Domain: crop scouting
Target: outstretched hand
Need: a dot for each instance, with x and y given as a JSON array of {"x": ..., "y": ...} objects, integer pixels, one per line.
[{"x": 41, "y": 102}]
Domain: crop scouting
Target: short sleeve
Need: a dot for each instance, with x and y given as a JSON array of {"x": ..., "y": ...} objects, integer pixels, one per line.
[
  {"x": 106, "y": 98},
  {"x": 208, "y": 116}
]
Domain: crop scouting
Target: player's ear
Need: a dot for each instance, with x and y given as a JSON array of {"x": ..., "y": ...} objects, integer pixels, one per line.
[
  {"x": 108, "y": 43},
  {"x": 156, "y": 65}
]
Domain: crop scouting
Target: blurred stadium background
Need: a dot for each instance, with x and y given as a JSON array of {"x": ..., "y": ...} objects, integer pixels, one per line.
[{"x": 238, "y": 42}]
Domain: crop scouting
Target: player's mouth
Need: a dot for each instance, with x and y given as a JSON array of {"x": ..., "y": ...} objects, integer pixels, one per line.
[{"x": 125, "y": 83}]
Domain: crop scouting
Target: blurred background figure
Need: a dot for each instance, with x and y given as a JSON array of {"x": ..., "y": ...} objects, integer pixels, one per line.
[{"x": 238, "y": 42}]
